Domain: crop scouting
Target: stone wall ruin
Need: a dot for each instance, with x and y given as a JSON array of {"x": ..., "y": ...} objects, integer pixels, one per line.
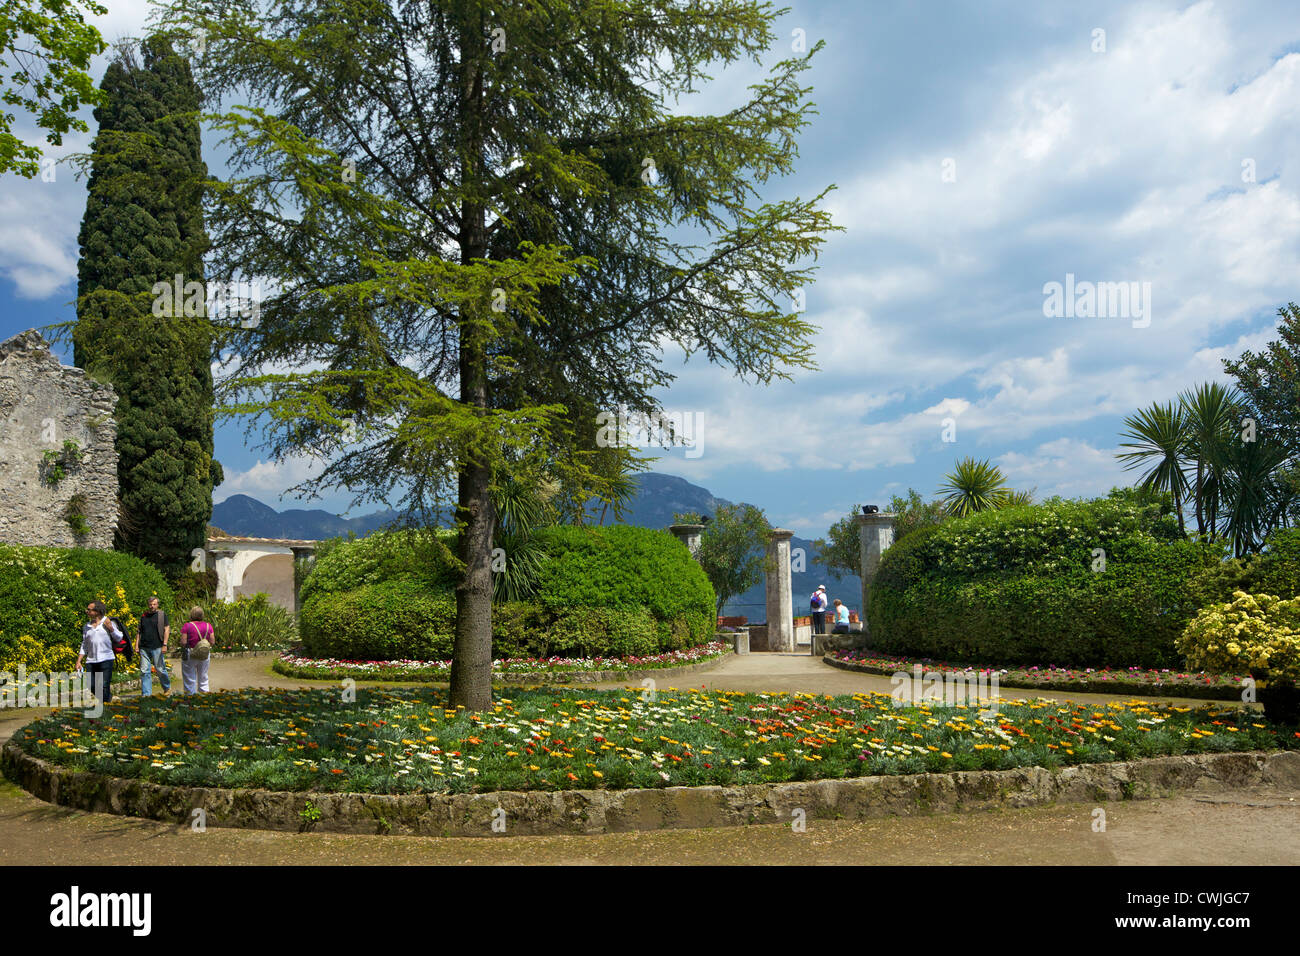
[{"x": 44, "y": 405}]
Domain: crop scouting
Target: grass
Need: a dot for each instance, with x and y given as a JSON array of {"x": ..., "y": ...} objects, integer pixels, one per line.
[{"x": 406, "y": 740}]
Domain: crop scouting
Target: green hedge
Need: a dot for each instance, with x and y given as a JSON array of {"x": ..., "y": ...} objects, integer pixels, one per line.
[
  {"x": 1025, "y": 585},
  {"x": 44, "y": 591},
  {"x": 628, "y": 568},
  {"x": 402, "y": 619},
  {"x": 613, "y": 591},
  {"x": 103, "y": 571},
  {"x": 344, "y": 565},
  {"x": 1275, "y": 570}
]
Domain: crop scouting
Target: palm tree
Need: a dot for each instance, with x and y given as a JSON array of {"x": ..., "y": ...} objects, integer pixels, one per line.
[
  {"x": 1160, "y": 440},
  {"x": 1014, "y": 499},
  {"x": 973, "y": 486},
  {"x": 1253, "y": 490},
  {"x": 1212, "y": 412}
]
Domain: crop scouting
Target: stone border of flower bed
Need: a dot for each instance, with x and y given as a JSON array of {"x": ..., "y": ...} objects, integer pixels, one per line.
[
  {"x": 527, "y": 680},
  {"x": 579, "y": 812},
  {"x": 1189, "y": 691}
]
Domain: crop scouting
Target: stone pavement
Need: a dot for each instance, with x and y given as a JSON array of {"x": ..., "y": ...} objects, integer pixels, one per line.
[{"x": 1251, "y": 826}]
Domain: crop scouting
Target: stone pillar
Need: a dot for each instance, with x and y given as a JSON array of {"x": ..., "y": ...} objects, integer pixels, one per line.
[
  {"x": 225, "y": 562},
  {"x": 299, "y": 554},
  {"x": 780, "y": 599},
  {"x": 875, "y": 534},
  {"x": 689, "y": 535}
]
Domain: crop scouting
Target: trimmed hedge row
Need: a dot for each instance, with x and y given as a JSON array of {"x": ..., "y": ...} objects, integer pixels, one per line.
[
  {"x": 613, "y": 591},
  {"x": 1098, "y": 583}
]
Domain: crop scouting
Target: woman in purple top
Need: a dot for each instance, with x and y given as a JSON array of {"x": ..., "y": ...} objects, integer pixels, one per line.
[{"x": 194, "y": 670}]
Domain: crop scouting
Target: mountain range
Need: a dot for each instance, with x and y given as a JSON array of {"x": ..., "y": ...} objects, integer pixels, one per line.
[{"x": 658, "y": 497}]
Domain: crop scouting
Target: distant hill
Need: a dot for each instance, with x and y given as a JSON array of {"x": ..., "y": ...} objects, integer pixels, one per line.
[
  {"x": 657, "y": 499},
  {"x": 241, "y": 515}
]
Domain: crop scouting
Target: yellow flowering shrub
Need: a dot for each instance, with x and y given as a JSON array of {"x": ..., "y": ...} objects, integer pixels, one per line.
[
  {"x": 1258, "y": 632},
  {"x": 33, "y": 655}
]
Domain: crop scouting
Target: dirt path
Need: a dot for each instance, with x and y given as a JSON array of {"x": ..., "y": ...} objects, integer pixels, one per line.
[{"x": 1255, "y": 827}]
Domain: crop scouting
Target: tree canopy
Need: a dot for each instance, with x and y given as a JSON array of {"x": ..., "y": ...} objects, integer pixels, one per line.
[
  {"x": 48, "y": 44},
  {"x": 484, "y": 222}
]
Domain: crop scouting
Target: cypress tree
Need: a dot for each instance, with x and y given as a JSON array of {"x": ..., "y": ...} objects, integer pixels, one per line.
[{"x": 143, "y": 226}]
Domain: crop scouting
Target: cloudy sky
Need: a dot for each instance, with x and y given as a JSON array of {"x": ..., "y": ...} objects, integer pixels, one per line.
[{"x": 980, "y": 152}]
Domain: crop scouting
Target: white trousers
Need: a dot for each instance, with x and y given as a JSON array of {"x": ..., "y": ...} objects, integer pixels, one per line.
[{"x": 194, "y": 675}]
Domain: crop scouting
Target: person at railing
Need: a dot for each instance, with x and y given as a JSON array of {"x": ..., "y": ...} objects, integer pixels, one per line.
[{"x": 841, "y": 617}]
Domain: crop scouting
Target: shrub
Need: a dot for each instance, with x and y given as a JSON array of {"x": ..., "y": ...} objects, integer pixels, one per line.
[
  {"x": 344, "y": 565},
  {"x": 601, "y": 592},
  {"x": 1256, "y": 632},
  {"x": 44, "y": 592},
  {"x": 1028, "y": 585},
  {"x": 34, "y": 597},
  {"x": 402, "y": 619},
  {"x": 249, "y": 623},
  {"x": 122, "y": 581},
  {"x": 628, "y": 568},
  {"x": 33, "y": 655}
]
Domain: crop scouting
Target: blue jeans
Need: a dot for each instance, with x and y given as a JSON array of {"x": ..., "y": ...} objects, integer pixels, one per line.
[{"x": 151, "y": 659}]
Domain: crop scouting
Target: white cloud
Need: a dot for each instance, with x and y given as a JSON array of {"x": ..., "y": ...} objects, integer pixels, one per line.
[
  {"x": 268, "y": 477},
  {"x": 1067, "y": 467}
]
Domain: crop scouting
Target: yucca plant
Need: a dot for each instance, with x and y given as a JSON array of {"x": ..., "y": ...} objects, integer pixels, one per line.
[
  {"x": 1212, "y": 411},
  {"x": 521, "y": 509},
  {"x": 1160, "y": 436},
  {"x": 973, "y": 486},
  {"x": 250, "y": 623},
  {"x": 1250, "y": 486},
  {"x": 1014, "y": 499}
]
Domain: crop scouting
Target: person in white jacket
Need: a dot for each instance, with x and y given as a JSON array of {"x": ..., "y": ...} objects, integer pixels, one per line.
[{"x": 97, "y": 637}]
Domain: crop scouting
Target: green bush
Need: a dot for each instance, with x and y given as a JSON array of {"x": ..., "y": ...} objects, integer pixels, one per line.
[
  {"x": 402, "y": 619},
  {"x": 1101, "y": 583},
  {"x": 249, "y": 623},
  {"x": 34, "y": 599},
  {"x": 1275, "y": 570},
  {"x": 601, "y": 592},
  {"x": 44, "y": 591},
  {"x": 102, "y": 572},
  {"x": 628, "y": 568},
  {"x": 344, "y": 565}
]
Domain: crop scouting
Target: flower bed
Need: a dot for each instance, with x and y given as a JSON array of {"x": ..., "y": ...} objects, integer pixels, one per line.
[
  {"x": 406, "y": 740},
  {"x": 1135, "y": 680},
  {"x": 292, "y": 664}
]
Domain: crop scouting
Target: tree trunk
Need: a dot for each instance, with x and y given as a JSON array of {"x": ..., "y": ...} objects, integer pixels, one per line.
[
  {"x": 1178, "y": 506},
  {"x": 471, "y": 669},
  {"x": 1200, "y": 512}
]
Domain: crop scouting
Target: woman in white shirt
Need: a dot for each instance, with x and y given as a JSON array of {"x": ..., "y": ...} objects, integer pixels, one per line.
[{"x": 97, "y": 649}]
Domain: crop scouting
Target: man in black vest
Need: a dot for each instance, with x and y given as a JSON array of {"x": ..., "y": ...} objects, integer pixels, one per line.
[{"x": 152, "y": 647}]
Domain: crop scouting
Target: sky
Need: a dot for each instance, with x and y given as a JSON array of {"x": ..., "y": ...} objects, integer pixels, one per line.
[{"x": 980, "y": 152}]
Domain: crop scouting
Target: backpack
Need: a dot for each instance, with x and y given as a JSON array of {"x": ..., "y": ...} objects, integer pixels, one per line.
[
  {"x": 816, "y": 602},
  {"x": 201, "y": 650},
  {"x": 121, "y": 645}
]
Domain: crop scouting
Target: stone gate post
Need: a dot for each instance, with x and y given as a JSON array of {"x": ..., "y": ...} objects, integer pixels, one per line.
[
  {"x": 875, "y": 535},
  {"x": 689, "y": 535},
  {"x": 780, "y": 599}
]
